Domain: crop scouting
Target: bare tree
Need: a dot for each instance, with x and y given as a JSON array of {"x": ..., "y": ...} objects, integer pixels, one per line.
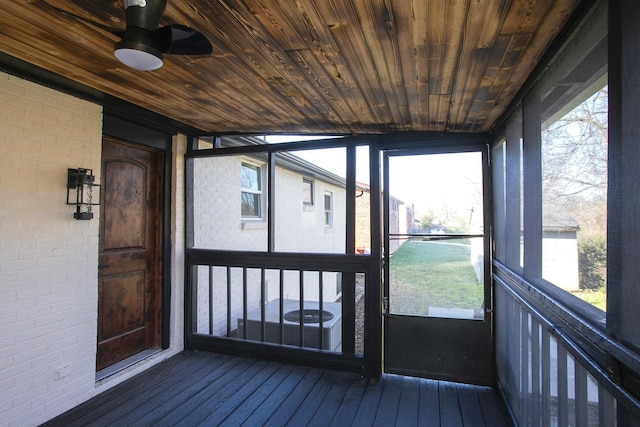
[{"x": 575, "y": 162}]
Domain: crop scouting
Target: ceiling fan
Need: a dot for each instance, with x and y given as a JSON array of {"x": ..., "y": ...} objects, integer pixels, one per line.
[{"x": 143, "y": 44}]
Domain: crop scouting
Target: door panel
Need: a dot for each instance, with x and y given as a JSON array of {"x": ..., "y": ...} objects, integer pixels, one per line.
[
  {"x": 437, "y": 322},
  {"x": 124, "y": 214},
  {"x": 438, "y": 348},
  {"x": 129, "y": 278}
]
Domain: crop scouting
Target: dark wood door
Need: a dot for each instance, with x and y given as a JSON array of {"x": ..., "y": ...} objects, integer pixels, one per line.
[{"x": 130, "y": 258}]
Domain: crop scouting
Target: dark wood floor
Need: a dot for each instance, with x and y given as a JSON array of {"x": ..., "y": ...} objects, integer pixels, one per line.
[{"x": 200, "y": 388}]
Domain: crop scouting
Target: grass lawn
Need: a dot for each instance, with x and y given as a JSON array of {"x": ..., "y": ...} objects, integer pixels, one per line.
[
  {"x": 432, "y": 274},
  {"x": 597, "y": 297}
]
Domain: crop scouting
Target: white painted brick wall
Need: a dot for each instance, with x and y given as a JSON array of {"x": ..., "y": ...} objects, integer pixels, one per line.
[{"x": 48, "y": 260}]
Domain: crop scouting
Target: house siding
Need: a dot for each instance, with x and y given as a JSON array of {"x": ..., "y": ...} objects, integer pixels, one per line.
[{"x": 49, "y": 260}]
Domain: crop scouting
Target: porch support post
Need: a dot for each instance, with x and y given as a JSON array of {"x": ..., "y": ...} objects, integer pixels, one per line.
[
  {"x": 623, "y": 233},
  {"x": 373, "y": 292},
  {"x": 623, "y": 238}
]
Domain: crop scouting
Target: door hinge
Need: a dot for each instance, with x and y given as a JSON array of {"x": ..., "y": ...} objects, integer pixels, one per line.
[{"x": 385, "y": 304}]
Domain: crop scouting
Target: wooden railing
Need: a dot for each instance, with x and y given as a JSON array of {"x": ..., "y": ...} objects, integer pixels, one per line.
[
  {"x": 544, "y": 373},
  {"x": 240, "y": 301}
]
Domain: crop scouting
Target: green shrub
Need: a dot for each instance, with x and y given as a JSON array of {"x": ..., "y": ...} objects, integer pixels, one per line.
[{"x": 592, "y": 263}]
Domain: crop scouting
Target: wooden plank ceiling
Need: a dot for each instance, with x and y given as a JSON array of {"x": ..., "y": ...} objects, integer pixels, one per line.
[{"x": 306, "y": 66}]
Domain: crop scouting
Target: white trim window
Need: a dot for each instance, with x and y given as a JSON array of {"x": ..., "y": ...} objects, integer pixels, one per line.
[
  {"x": 307, "y": 192},
  {"x": 328, "y": 209},
  {"x": 251, "y": 191}
]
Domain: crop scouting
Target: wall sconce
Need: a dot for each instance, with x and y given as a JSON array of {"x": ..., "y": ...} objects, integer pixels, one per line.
[{"x": 80, "y": 183}]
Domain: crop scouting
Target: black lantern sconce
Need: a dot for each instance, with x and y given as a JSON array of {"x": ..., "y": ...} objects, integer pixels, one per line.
[{"x": 80, "y": 183}]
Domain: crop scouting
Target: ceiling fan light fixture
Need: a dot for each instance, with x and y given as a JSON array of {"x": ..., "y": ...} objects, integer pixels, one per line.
[{"x": 138, "y": 56}]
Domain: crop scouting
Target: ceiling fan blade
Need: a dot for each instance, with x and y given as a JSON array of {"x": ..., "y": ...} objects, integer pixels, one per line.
[{"x": 179, "y": 39}]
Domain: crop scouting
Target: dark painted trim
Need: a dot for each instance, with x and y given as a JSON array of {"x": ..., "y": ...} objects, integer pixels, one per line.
[
  {"x": 349, "y": 280},
  {"x": 401, "y": 140},
  {"x": 271, "y": 202},
  {"x": 282, "y": 260},
  {"x": 373, "y": 292},
  {"x": 532, "y": 175},
  {"x": 513, "y": 196}
]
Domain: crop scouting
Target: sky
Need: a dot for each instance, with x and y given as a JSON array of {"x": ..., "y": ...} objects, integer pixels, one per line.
[{"x": 433, "y": 181}]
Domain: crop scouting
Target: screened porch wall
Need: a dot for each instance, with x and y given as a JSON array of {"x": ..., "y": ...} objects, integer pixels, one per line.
[{"x": 562, "y": 360}]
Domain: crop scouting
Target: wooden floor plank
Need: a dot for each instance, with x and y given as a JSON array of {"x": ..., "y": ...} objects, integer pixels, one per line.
[
  {"x": 175, "y": 408},
  {"x": 493, "y": 411},
  {"x": 332, "y": 400},
  {"x": 429, "y": 406},
  {"x": 199, "y": 388},
  {"x": 177, "y": 395},
  {"x": 261, "y": 415},
  {"x": 257, "y": 397},
  {"x": 369, "y": 404},
  {"x": 346, "y": 412},
  {"x": 216, "y": 410},
  {"x": 285, "y": 411},
  {"x": 388, "y": 408},
  {"x": 211, "y": 398},
  {"x": 470, "y": 406},
  {"x": 310, "y": 404},
  {"x": 449, "y": 406},
  {"x": 130, "y": 390},
  {"x": 409, "y": 402}
]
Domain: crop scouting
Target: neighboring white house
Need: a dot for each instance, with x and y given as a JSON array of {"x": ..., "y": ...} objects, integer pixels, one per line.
[
  {"x": 560, "y": 248},
  {"x": 230, "y": 213}
]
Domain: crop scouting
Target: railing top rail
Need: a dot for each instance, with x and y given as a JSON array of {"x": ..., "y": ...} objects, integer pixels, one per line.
[{"x": 347, "y": 263}]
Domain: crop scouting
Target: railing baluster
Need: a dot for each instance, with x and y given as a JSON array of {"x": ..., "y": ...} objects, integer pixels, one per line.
[
  {"x": 281, "y": 284},
  {"x": 546, "y": 378},
  {"x": 563, "y": 389},
  {"x": 582, "y": 398},
  {"x": 606, "y": 407},
  {"x": 210, "y": 300},
  {"x": 263, "y": 295},
  {"x": 535, "y": 372},
  {"x": 244, "y": 302},
  {"x": 321, "y": 308},
  {"x": 515, "y": 348},
  {"x": 301, "y": 303},
  {"x": 228, "y": 301},
  {"x": 525, "y": 366}
]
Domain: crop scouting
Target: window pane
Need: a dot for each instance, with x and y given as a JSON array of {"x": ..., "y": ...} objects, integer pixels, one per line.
[
  {"x": 328, "y": 212},
  {"x": 574, "y": 168},
  {"x": 250, "y": 205},
  {"x": 307, "y": 192},
  {"x": 327, "y": 202},
  {"x": 437, "y": 278},
  {"x": 250, "y": 177},
  {"x": 436, "y": 272}
]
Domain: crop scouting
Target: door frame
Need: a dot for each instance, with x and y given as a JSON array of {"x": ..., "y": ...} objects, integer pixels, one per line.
[
  {"x": 470, "y": 357},
  {"x": 140, "y": 135}
]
